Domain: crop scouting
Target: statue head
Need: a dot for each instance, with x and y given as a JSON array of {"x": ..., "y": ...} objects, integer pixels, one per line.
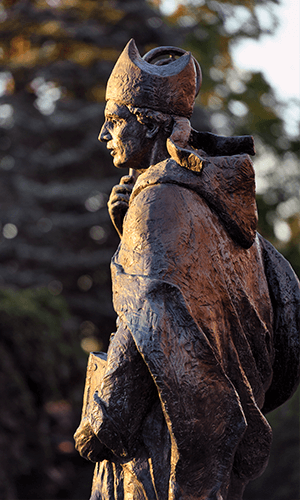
[{"x": 146, "y": 99}]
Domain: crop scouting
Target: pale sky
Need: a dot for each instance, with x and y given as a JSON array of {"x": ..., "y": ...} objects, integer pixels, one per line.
[{"x": 277, "y": 56}]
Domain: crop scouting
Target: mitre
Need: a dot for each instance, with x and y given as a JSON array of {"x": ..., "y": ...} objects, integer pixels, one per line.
[{"x": 170, "y": 87}]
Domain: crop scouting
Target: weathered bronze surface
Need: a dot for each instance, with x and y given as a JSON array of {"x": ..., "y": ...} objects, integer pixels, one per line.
[{"x": 208, "y": 311}]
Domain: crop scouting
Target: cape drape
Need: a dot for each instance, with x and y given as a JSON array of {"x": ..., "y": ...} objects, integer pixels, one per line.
[{"x": 195, "y": 359}]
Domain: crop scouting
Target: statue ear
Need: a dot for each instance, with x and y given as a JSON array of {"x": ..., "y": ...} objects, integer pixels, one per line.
[{"x": 152, "y": 130}]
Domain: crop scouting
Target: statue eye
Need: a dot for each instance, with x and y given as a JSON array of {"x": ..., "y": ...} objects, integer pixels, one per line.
[{"x": 115, "y": 121}]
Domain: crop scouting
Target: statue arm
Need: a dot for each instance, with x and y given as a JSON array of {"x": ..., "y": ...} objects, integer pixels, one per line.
[{"x": 126, "y": 394}]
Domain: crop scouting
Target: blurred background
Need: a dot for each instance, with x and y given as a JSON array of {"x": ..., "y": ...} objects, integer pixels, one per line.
[{"x": 56, "y": 238}]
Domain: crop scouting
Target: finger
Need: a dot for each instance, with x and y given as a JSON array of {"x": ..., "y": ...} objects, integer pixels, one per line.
[
  {"x": 118, "y": 198},
  {"x": 121, "y": 188},
  {"x": 127, "y": 179}
]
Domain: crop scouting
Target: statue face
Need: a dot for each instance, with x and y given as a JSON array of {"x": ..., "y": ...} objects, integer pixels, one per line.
[{"x": 125, "y": 137}]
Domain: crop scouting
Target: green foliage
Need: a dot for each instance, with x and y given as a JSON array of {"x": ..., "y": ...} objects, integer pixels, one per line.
[
  {"x": 41, "y": 366},
  {"x": 31, "y": 329}
]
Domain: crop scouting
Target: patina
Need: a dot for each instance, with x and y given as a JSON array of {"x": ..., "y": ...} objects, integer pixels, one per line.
[{"x": 207, "y": 337}]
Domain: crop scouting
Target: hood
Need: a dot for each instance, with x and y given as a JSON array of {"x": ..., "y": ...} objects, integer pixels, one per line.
[{"x": 226, "y": 183}]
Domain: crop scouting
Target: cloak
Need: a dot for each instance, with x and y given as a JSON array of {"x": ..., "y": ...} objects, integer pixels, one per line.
[{"x": 207, "y": 339}]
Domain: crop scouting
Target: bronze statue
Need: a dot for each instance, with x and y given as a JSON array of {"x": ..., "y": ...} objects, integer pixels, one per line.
[{"x": 207, "y": 337}]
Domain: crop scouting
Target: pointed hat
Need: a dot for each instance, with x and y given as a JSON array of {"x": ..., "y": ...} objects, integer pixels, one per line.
[{"x": 169, "y": 86}]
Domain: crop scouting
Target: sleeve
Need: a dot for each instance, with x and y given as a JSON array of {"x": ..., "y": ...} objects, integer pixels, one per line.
[{"x": 124, "y": 398}]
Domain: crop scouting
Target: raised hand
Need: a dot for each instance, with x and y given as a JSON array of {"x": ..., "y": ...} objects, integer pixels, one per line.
[{"x": 119, "y": 200}]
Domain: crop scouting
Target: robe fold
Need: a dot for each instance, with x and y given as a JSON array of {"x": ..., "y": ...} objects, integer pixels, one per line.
[{"x": 208, "y": 328}]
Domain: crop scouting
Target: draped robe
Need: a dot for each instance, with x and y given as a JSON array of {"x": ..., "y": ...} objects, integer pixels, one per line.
[{"x": 207, "y": 339}]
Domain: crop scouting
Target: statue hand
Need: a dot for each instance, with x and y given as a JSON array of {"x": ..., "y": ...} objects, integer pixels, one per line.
[
  {"x": 119, "y": 200},
  {"x": 87, "y": 443}
]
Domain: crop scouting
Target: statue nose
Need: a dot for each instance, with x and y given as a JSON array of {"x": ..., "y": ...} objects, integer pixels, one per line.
[{"x": 104, "y": 135}]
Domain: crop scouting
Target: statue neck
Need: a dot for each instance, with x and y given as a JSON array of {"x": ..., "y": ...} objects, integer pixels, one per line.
[{"x": 157, "y": 153}]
